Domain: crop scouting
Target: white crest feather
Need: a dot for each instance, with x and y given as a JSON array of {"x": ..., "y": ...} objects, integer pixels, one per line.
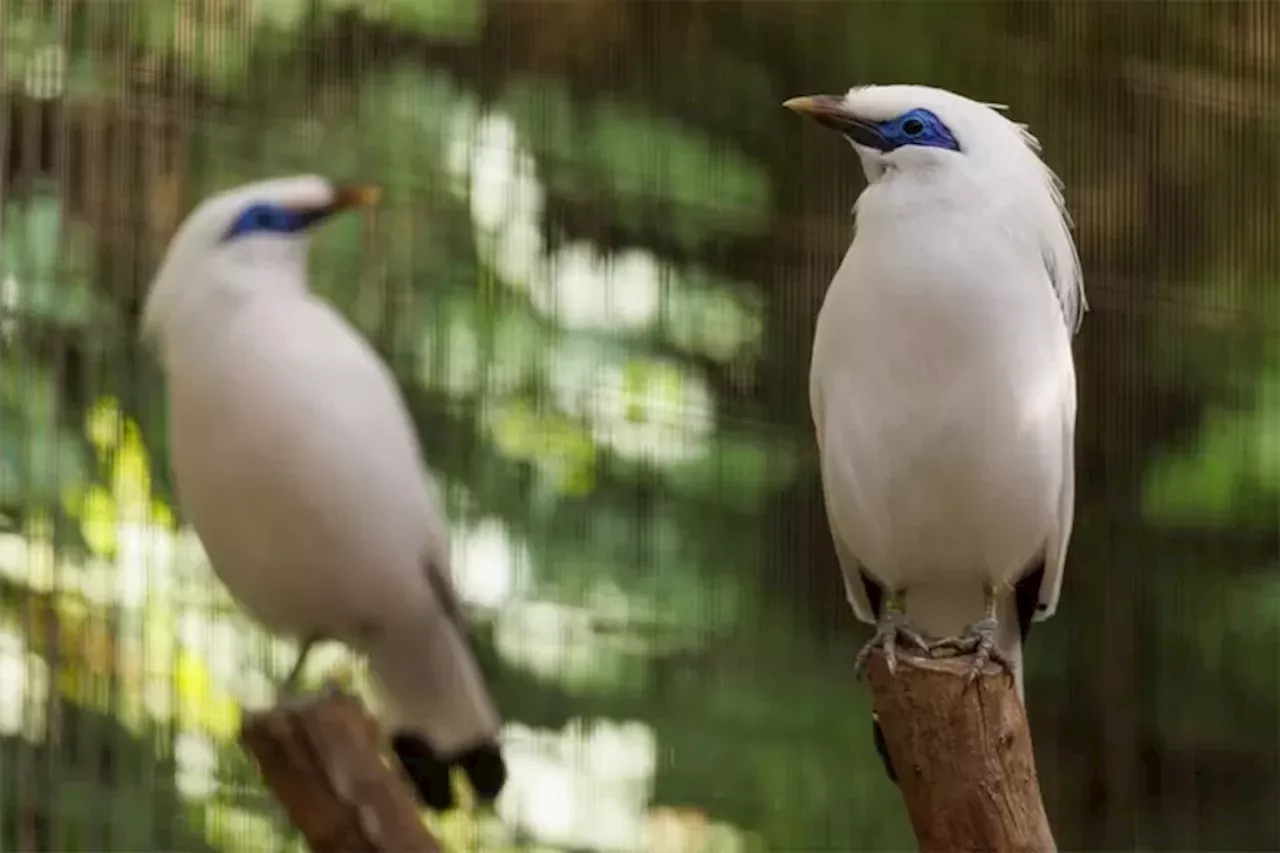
[{"x": 1060, "y": 255}]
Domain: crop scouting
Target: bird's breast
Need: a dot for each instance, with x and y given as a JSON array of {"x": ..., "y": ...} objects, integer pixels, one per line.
[
  {"x": 302, "y": 479},
  {"x": 937, "y": 398}
]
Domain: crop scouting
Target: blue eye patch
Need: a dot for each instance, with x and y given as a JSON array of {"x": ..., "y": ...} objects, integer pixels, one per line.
[
  {"x": 916, "y": 127},
  {"x": 264, "y": 218}
]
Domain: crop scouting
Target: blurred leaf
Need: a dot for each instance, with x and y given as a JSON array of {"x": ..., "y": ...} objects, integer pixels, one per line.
[
  {"x": 38, "y": 456},
  {"x": 284, "y": 16},
  {"x": 663, "y": 580},
  {"x": 559, "y": 447},
  {"x": 691, "y": 175},
  {"x": 127, "y": 496},
  {"x": 646, "y": 164},
  {"x": 48, "y": 261},
  {"x": 25, "y": 30},
  {"x": 106, "y": 788},
  {"x": 708, "y": 315},
  {"x": 404, "y": 116},
  {"x": 202, "y": 703},
  {"x": 337, "y": 261},
  {"x": 1231, "y": 478},
  {"x": 97, "y": 512},
  {"x": 742, "y": 470},
  {"x": 452, "y": 20},
  {"x": 1225, "y": 651},
  {"x": 103, "y": 424},
  {"x": 212, "y": 40},
  {"x": 233, "y": 828}
]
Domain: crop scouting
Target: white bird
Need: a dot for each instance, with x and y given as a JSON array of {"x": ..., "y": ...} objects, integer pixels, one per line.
[
  {"x": 942, "y": 384},
  {"x": 297, "y": 463}
]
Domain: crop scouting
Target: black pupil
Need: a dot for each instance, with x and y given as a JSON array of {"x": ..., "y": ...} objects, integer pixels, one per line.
[{"x": 912, "y": 126}]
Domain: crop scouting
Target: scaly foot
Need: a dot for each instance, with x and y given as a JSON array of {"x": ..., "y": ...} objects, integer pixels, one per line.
[
  {"x": 979, "y": 640},
  {"x": 891, "y": 627},
  {"x": 288, "y": 688}
]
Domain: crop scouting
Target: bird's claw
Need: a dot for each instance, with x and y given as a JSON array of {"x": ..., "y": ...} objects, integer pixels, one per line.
[
  {"x": 891, "y": 628},
  {"x": 979, "y": 640},
  {"x": 295, "y": 700}
]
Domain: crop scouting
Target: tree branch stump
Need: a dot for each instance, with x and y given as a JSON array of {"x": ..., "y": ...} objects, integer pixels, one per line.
[
  {"x": 322, "y": 761},
  {"x": 962, "y": 754}
]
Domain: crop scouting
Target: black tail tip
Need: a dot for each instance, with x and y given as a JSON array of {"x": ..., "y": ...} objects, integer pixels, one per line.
[
  {"x": 429, "y": 775},
  {"x": 485, "y": 769}
]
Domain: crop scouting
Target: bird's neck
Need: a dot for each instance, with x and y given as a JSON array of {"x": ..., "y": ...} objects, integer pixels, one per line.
[
  {"x": 927, "y": 195},
  {"x": 198, "y": 313}
]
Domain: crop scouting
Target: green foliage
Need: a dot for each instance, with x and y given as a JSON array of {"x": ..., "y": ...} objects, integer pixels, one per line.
[
  {"x": 1237, "y": 629},
  {"x": 644, "y": 164},
  {"x": 596, "y": 436},
  {"x": 38, "y": 456},
  {"x": 449, "y": 20},
  {"x": 1231, "y": 477},
  {"x": 46, "y": 264},
  {"x": 707, "y": 315},
  {"x": 102, "y": 788},
  {"x": 22, "y": 38},
  {"x": 213, "y": 40},
  {"x": 742, "y": 470}
]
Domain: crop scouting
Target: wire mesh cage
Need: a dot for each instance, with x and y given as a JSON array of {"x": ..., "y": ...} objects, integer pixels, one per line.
[{"x": 594, "y": 272}]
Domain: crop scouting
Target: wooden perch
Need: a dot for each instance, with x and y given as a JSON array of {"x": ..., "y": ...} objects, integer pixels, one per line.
[
  {"x": 321, "y": 760},
  {"x": 962, "y": 754}
]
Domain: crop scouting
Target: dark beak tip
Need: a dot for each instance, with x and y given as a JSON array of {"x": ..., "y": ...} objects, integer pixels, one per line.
[
  {"x": 832, "y": 112},
  {"x": 356, "y": 195}
]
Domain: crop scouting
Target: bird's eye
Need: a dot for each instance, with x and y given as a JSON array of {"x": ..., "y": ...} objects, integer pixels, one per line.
[
  {"x": 913, "y": 127},
  {"x": 264, "y": 218},
  {"x": 270, "y": 217}
]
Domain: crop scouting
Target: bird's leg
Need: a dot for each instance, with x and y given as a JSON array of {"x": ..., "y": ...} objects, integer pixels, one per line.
[
  {"x": 979, "y": 638},
  {"x": 890, "y": 627},
  {"x": 286, "y": 689}
]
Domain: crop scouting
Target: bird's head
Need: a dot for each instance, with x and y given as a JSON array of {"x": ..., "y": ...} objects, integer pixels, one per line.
[
  {"x": 245, "y": 239},
  {"x": 905, "y": 128},
  {"x": 923, "y": 146}
]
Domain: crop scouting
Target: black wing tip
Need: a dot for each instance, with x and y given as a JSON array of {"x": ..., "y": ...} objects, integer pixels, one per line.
[
  {"x": 426, "y": 771},
  {"x": 875, "y": 595},
  {"x": 486, "y": 770},
  {"x": 882, "y": 749},
  {"x": 429, "y": 773},
  {"x": 1026, "y": 594}
]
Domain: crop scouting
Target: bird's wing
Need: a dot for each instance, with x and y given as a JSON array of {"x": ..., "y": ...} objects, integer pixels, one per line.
[
  {"x": 858, "y": 589},
  {"x": 438, "y": 559},
  {"x": 442, "y": 587},
  {"x": 1055, "y": 556},
  {"x": 856, "y": 586}
]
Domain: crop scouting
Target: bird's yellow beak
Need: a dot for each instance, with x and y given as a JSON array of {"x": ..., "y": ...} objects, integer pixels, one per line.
[
  {"x": 815, "y": 106},
  {"x": 802, "y": 105},
  {"x": 832, "y": 111}
]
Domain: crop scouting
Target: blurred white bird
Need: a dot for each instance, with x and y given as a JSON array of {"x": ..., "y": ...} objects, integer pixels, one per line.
[
  {"x": 942, "y": 384},
  {"x": 297, "y": 463}
]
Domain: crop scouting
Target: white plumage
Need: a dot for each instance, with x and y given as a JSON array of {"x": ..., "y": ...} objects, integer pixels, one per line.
[
  {"x": 298, "y": 465},
  {"x": 942, "y": 384}
]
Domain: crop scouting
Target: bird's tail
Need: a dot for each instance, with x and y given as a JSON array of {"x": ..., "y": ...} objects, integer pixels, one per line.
[{"x": 438, "y": 708}]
